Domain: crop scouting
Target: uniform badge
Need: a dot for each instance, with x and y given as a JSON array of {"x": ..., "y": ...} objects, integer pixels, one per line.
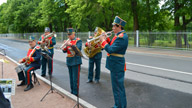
[{"x": 121, "y": 35}]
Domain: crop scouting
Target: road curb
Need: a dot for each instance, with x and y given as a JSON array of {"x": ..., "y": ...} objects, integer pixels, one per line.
[{"x": 61, "y": 90}]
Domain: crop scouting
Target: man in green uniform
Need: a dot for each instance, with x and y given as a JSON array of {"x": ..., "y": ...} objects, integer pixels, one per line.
[
  {"x": 73, "y": 61},
  {"x": 44, "y": 61},
  {"x": 96, "y": 59},
  {"x": 115, "y": 62},
  {"x": 32, "y": 62}
]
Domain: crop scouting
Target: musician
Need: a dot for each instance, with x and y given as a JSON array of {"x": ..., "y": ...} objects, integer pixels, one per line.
[
  {"x": 95, "y": 59},
  {"x": 73, "y": 61},
  {"x": 32, "y": 62},
  {"x": 115, "y": 62},
  {"x": 50, "y": 52}
]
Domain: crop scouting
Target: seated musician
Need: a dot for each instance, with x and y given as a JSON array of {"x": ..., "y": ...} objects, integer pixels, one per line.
[{"x": 32, "y": 62}]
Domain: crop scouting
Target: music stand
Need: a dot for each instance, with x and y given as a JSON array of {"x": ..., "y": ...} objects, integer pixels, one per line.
[
  {"x": 77, "y": 53},
  {"x": 50, "y": 77}
]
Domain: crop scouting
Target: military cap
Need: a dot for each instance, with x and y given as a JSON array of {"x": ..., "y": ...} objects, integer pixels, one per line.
[
  {"x": 70, "y": 31},
  {"x": 119, "y": 21},
  {"x": 47, "y": 29},
  {"x": 31, "y": 38}
]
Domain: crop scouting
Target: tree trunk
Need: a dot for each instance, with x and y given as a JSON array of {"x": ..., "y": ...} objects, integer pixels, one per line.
[
  {"x": 151, "y": 39},
  {"x": 135, "y": 17},
  {"x": 177, "y": 25},
  {"x": 184, "y": 29},
  {"x": 50, "y": 26}
]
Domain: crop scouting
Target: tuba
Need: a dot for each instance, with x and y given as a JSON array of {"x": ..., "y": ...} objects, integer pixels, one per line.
[{"x": 92, "y": 51}]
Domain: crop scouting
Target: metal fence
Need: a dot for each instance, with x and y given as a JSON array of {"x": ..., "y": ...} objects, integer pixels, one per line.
[{"x": 142, "y": 39}]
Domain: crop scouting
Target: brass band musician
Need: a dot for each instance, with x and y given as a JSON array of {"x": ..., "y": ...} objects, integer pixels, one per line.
[{"x": 32, "y": 62}]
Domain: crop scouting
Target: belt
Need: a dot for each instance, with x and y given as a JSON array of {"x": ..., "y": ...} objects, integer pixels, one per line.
[
  {"x": 117, "y": 55},
  {"x": 70, "y": 55},
  {"x": 50, "y": 48}
]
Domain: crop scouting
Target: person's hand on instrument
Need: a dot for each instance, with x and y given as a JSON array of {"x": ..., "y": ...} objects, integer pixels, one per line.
[
  {"x": 40, "y": 42},
  {"x": 89, "y": 45},
  {"x": 26, "y": 58},
  {"x": 46, "y": 40},
  {"x": 69, "y": 44},
  {"x": 99, "y": 45},
  {"x": 103, "y": 37},
  {"x": 20, "y": 61}
]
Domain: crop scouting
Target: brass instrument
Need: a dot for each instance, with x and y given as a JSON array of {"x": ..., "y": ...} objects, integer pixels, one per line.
[
  {"x": 26, "y": 61},
  {"x": 108, "y": 34},
  {"x": 64, "y": 44},
  {"x": 92, "y": 51},
  {"x": 73, "y": 49},
  {"x": 44, "y": 46}
]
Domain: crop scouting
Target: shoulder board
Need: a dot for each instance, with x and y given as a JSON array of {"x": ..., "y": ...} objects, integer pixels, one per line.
[
  {"x": 42, "y": 35},
  {"x": 121, "y": 35},
  {"x": 37, "y": 47},
  {"x": 78, "y": 39}
]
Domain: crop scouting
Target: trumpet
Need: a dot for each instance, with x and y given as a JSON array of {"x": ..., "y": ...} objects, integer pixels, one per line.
[
  {"x": 108, "y": 34},
  {"x": 64, "y": 44}
]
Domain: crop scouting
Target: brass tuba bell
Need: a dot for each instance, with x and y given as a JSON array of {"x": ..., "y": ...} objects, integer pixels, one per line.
[{"x": 95, "y": 44}]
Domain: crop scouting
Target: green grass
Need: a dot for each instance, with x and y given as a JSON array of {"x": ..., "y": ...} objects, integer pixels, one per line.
[{"x": 160, "y": 43}]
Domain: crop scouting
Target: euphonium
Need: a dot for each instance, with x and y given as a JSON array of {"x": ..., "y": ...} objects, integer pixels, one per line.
[
  {"x": 95, "y": 43},
  {"x": 44, "y": 46}
]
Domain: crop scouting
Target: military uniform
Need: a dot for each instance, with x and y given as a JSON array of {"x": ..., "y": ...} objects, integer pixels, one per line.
[
  {"x": 50, "y": 53},
  {"x": 32, "y": 64},
  {"x": 73, "y": 63},
  {"x": 115, "y": 62},
  {"x": 97, "y": 60}
]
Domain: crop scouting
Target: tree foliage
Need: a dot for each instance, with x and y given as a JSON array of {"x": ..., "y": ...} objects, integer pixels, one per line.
[{"x": 84, "y": 15}]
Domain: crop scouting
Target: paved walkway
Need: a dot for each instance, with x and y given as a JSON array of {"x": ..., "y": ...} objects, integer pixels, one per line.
[{"x": 31, "y": 98}]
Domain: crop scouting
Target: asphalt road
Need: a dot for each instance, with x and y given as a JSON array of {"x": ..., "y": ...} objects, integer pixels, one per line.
[{"x": 151, "y": 80}]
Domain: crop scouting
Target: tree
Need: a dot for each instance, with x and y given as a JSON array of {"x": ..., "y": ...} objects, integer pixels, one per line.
[{"x": 180, "y": 10}]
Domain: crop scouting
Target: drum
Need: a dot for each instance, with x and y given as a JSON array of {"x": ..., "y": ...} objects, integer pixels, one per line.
[{"x": 20, "y": 69}]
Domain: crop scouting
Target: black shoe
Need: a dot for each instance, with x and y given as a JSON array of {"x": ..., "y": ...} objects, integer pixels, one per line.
[
  {"x": 96, "y": 81},
  {"x": 30, "y": 86},
  {"x": 43, "y": 75},
  {"x": 89, "y": 81},
  {"x": 21, "y": 84}
]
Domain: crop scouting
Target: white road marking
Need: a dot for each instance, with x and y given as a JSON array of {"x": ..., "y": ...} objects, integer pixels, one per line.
[
  {"x": 152, "y": 67},
  {"x": 156, "y": 54},
  {"x": 158, "y": 68}
]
